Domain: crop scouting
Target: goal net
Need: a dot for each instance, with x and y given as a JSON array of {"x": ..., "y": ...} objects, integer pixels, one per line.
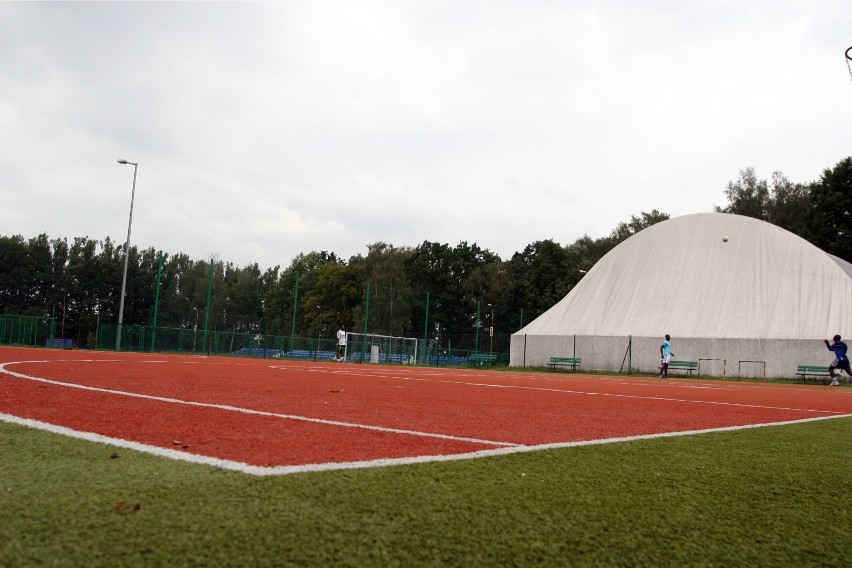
[{"x": 375, "y": 348}]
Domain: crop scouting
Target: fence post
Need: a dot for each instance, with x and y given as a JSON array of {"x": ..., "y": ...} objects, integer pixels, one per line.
[
  {"x": 366, "y": 318},
  {"x": 156, "y": 300},
  {"x": 628, "y": 355},
  {"x": 478, "y": 303},
  {"x": 204, "y": 346},
  {"x": 425, "y": 333},
  {"x": 293, "y": 318}
]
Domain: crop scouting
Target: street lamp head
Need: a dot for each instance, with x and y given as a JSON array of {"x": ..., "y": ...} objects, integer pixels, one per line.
[{"x": 123, "y": 162}]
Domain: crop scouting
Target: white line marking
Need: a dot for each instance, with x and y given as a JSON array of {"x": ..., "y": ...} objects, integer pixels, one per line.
[
  {"x": 250, "y": 411},
  {"x": 425, "y": 376},
  {"x": 640, "y": 397},
  {"x": 308, "y": 468},
  {"x": 384, "y": 462},
  {"x": 616, "y": 395}
]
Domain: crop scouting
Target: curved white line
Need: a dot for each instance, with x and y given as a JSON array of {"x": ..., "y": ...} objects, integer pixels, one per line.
[{"x": 332, "y": 466}]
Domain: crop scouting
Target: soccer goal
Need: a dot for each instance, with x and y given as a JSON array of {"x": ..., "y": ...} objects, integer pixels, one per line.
[{"x": 375, "y": 348}]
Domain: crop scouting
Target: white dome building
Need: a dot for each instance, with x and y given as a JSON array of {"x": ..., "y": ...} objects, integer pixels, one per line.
[{"x": 739, "y": 295}]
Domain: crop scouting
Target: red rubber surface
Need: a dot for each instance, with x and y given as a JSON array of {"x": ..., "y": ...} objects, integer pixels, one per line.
[{"x": 479, "y": 407}]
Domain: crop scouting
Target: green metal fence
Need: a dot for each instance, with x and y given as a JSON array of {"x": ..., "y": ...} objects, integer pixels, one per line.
[
  {"x": 28, "y": 330},
  {"x": 188, "y": 340},
  {"x": 40, "y": 332}
]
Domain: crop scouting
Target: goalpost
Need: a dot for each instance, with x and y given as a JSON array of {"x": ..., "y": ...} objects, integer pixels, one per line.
[{"x": 375, "y": 348}]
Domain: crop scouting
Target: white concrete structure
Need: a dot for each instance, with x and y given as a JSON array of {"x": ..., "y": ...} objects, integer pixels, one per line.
[{"x": 739, "y": 295}]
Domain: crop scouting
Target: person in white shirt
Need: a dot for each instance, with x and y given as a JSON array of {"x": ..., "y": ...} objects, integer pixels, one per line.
[{"x": 341, "y": 343}]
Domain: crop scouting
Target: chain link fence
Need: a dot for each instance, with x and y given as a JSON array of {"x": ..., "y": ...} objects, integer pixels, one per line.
[{"x": 30, "y": 331}]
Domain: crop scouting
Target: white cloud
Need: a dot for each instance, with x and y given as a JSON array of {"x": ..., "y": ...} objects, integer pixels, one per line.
[{"x": 267, "y": 129}]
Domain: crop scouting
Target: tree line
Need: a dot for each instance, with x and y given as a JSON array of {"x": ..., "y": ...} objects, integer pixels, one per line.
[
  {"x": 819, "y": 211},
  {"x": 454, "y": 295}
]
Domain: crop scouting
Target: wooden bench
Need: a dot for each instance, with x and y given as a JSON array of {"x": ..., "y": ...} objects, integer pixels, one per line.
[
  {"x": 688, "y": 366},
  {"x": 481, "y": 358},
  {"x": 806, "y": 371},
  {"x": 572, "y": 362}
]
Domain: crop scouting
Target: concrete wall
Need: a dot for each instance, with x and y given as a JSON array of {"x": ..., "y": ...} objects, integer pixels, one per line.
[{"x": 747, "y": 358}]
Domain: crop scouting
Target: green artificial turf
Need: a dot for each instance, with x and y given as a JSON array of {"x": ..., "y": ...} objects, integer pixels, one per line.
[{"x": 776, "y": 496}]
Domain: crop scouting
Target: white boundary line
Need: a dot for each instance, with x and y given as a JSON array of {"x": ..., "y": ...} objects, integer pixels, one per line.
[
  {"x": 678, "y": 382},
  {"x": 506, "y": 449},
  {"x": 620, "y": 395},
  {"x": 250, "y": 411},
  {"x": 427, "y": 379},
  {"x": 308, "y": 468}
]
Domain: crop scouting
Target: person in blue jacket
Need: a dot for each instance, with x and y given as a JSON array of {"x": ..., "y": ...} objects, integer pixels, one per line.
[{"x": 841, "y": 361}]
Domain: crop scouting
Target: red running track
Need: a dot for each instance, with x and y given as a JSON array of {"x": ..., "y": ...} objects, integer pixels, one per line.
[{"x": 292, "y": 414}]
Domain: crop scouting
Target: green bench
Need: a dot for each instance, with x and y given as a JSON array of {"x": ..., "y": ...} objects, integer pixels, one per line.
[
  {"x": 481, "y": 358},
  {"x": 806, "y": 371},
  {"x": 572, "y": 362},
  {"x": 688, "y": 366}
]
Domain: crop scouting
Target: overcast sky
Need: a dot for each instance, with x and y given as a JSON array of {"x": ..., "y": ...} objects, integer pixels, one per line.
[{"x": 263, "y": 130}]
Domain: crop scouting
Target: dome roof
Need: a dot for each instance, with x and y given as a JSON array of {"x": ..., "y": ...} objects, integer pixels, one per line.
[{"x": 712, "y": 275}]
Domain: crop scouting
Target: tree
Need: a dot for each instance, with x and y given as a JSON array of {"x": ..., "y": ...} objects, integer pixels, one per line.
[
  {"x": 391, "y": 295},
  {"x": 780, "y": 202},
  {"x": 541, "y": 274},
  {"x": 175, "y": 309},
  {"x": 337, "y": 293},
  {"x": 314, "y": 304},
  {"x": 829, "y": 222},
  {"x": 87, "y": 289},
  {"x": 747, "y": 196},
  {"x": 43, "y": 278},
  {"x": 16, "y": 268},
  {"x": 789, "y": 204},
  {"x": 245, "y": 295},
  {"x": 278, "y": 302},
  {"x": 443, "y": 272},
  {"x": 624, "y": 231}
]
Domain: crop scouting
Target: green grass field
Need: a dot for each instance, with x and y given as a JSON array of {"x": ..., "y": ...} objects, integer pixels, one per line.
[{"x": 775, "y": 496}]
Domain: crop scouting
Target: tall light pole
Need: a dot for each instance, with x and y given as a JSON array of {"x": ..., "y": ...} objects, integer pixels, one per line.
[{"x": 126, "y": 257}]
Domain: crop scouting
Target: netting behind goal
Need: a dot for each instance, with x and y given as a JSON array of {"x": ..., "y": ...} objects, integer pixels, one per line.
[{"x": 374, "y": 348}]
